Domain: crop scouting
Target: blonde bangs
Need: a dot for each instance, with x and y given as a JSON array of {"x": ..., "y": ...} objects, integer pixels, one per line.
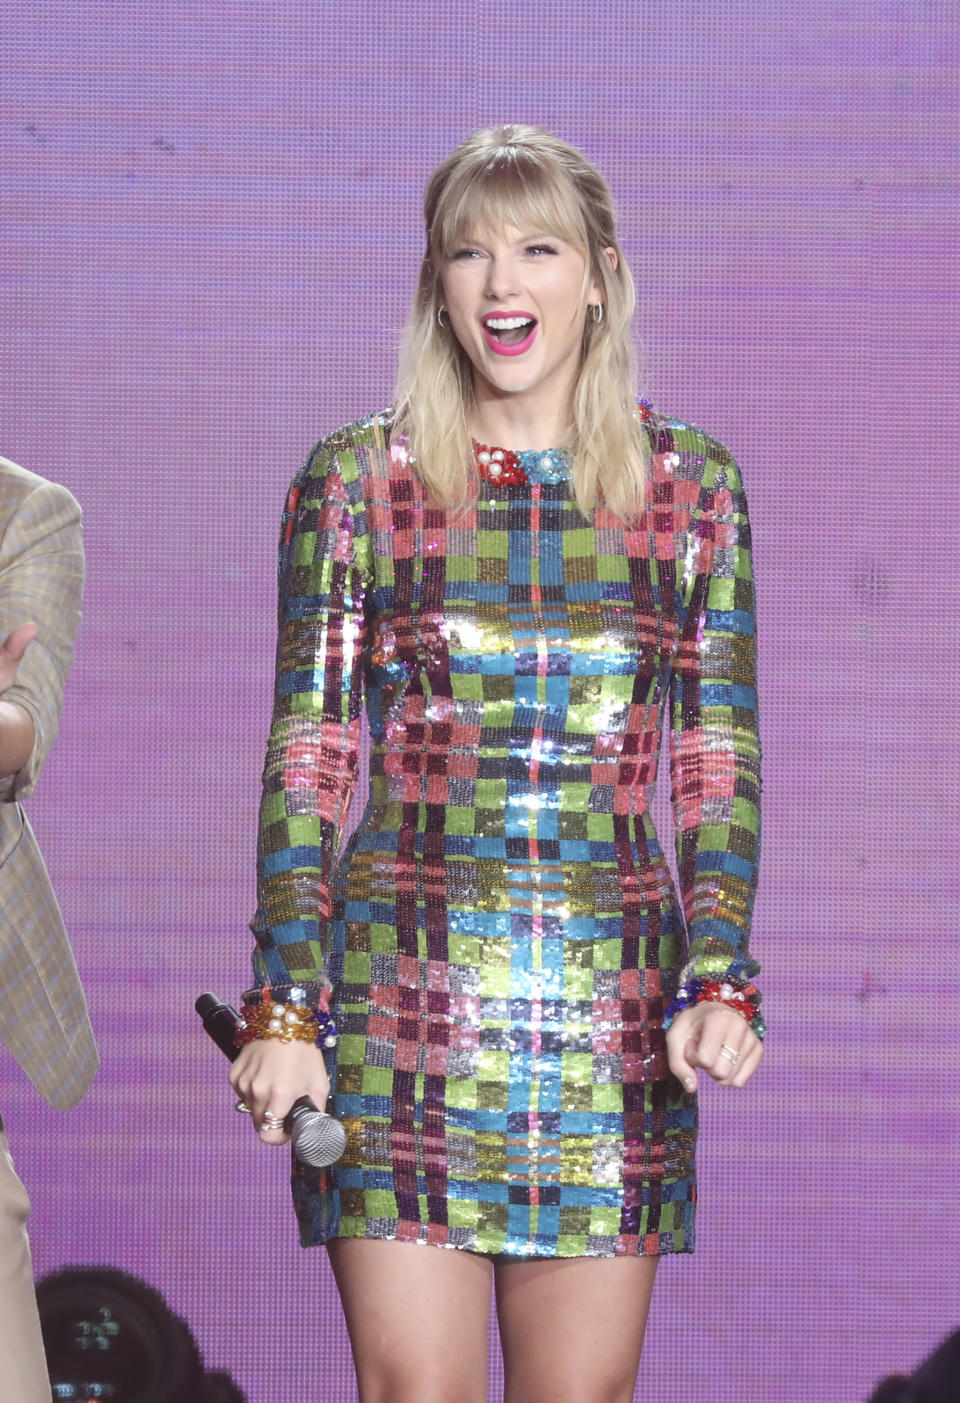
[{"x": 509, "y": 189}]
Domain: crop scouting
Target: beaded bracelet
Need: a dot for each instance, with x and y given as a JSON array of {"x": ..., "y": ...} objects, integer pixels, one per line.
[
  {"x": 738, "y": 994},
  {"x": 288, "y": 1023}
]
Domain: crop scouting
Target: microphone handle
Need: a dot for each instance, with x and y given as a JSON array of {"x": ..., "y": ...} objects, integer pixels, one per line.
[{"x": 220, "y": 1022}]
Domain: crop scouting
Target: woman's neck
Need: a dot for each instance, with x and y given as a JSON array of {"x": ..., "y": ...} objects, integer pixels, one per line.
[{"x": 520, "y": 422}]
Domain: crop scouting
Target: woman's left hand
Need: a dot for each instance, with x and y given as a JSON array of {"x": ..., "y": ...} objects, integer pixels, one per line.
[{"x": 716, "y": 1038}]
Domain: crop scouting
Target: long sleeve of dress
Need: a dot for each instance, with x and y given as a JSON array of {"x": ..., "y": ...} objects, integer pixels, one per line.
[
  {"x": 314, "y": 747},
  {"x": 714, "y": 742}
]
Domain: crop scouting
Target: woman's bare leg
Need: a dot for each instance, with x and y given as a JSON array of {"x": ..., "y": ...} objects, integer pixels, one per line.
[
  {"x": 418, "y": 1319},
  {"x": 572, "y": 1328}
]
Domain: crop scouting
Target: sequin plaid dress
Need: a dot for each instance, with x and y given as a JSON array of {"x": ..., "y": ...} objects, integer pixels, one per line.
[{"x": 501, "y": 932}]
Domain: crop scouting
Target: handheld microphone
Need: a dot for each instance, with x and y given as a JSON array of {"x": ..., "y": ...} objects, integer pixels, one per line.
[{"x": 318, "y": 1139}]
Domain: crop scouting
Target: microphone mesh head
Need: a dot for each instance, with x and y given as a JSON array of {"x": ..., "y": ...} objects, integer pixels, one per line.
[{"x": 318, "y": 1139}]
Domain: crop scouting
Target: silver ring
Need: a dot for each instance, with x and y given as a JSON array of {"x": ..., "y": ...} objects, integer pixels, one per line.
[
  {"x": 271, "y": 1121},
  {"x": 244, "y": 1108},
  {"x": 730, "y": 1053}
]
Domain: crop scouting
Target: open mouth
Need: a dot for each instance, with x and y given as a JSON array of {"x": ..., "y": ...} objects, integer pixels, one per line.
[{"x": 509, "y": 335}]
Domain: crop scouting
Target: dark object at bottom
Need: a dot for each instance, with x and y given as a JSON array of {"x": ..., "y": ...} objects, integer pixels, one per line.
[
  {"x": 936, "y": 1381},
  {"x": 220, "y": 1388},
  {"x": 109, "y": 1335}
]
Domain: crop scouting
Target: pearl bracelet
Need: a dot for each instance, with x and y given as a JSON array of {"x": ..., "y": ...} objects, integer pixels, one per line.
[{"x": 287, "y": 1023}]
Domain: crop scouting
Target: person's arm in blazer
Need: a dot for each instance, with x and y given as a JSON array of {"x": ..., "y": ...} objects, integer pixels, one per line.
[{"x": 41, "y": 583}]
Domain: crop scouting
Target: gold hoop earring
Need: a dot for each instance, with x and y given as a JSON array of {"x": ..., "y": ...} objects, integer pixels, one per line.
[
  {"x": 440, "y": 322},
  {"x": 596, "y": 312}
]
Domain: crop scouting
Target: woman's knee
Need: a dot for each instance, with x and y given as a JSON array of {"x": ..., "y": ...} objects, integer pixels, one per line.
[
  {"x": 586, "y": 1386},
  {"x": 421, "y": 1381}
]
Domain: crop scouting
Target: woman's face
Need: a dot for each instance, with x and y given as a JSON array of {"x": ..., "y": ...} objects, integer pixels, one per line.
[{"x": 517, "y": 300}]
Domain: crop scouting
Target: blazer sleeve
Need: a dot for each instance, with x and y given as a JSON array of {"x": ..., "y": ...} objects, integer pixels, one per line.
[
  {"x": 313, "y": 752},
  {"x": 714, "y": 738},
  {"x": 41, "y": 581}
]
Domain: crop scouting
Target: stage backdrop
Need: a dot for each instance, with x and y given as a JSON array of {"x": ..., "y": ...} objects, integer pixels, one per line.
[{"x": 209, "y": 235}]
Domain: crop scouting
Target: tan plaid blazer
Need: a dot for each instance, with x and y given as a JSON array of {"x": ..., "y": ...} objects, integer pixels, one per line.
[{"x": 43, "y": 1013}]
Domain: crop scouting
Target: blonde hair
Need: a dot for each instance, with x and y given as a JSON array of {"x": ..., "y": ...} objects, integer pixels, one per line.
[{"x": 528, "y": 178}]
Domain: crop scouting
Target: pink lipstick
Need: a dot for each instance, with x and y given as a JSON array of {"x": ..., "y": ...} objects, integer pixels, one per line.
[{"x": 495, "y": 322}]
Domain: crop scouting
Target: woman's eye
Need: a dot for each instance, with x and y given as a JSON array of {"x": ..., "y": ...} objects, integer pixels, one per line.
[
  {"x": 541, "y": 248},
  {"x": 465, "y": 253}
]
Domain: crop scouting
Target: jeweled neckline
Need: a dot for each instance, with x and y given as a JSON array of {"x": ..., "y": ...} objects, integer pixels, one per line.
[{"x": 503, "y": 467}]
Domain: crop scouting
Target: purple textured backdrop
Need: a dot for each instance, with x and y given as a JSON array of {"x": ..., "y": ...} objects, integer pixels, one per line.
[{"x": 209, "y": 234}]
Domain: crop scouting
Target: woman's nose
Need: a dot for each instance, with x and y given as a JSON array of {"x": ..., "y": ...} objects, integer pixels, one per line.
[{"x": 501, "y": 278}]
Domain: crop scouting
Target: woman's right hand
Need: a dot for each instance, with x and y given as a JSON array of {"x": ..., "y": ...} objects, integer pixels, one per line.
[{"x": 269, "y": 1075}]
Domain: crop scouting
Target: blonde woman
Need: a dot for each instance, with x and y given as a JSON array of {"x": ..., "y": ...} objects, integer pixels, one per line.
[{"x": 519, "y": 572}]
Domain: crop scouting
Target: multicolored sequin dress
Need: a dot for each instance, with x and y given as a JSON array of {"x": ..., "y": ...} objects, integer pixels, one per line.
[{"x": 501, "y": 932}]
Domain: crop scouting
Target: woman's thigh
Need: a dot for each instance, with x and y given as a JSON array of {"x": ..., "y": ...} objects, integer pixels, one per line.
[
  {"x": 572, "y": 1328},
  {"x": 417, "y": 1317}
]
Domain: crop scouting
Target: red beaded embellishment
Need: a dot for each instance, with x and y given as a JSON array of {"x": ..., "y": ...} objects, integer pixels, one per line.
[
  {"x": 645, "y": 409},
  {"x": 499, "y": 465},
  {"x": 721, "y": 992},
  {"x": 736, "y": 993}
]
